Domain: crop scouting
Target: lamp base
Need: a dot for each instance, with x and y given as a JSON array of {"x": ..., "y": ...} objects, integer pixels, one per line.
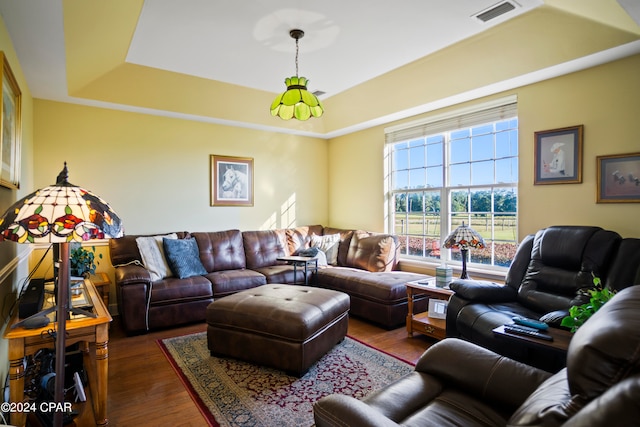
[{"x": 463, "y": 274}]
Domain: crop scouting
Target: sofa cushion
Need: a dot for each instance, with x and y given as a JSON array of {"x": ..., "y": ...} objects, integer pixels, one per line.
[
  {"x": 298, "y": 238},
  {"x": 263, "y": 248},
  {"x": 328, "y": 244},
  {"x": 221, "y": 250},
  {"x": 383, "y": 287},
  {"x": 374, "y": 253},
  {"x": 153, "y": 257},
  {"x": 177, "y": 291},
  {"x": 228, "y": 282},
  {"x": 182, "y": 256}
]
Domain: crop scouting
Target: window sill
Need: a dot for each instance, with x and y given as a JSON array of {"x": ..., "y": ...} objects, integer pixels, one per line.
[{"x": 421, "y": 266}]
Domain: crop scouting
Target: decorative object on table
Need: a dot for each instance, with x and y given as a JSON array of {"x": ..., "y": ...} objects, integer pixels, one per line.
[
  {"x": 618, "y": 178},
  {"x": 558, "y": 156},
  {"x": 10, "y": 105},
  {"x": 444, "y": 275},
  {"x": 221, "y": 389},
  {"x": 296, "y": 101},
  {"x": 231, "y": 181},
  {"x": 463, "y": 238},
  {"x": 83, "y": 261},
  {"x": 60, "y": 214},
  {"x": 578, "y": 314}
]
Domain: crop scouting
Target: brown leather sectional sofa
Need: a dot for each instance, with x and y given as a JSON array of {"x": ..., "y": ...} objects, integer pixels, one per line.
[{"x": 236, "y": 260}]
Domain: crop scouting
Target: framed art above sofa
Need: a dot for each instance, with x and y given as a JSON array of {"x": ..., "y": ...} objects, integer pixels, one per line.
[{"x": 231, "y": 181}]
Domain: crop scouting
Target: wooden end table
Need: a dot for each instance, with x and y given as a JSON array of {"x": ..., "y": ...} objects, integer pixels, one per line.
[
  {"x": 103, "y": 284},
  {"x": 24, "y": 342},
  {"x": 421, "y": 322}
]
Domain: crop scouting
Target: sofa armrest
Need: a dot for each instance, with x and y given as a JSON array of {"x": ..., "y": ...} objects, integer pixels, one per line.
[
  {"x": 480, "y": 371},
  {"x": 339, "y": 410},
  {"x": 483, "y": 291},
  {"x": 132, "y": 274}
]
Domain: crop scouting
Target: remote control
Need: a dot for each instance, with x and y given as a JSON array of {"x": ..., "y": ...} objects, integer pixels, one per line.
[
  {"x": 523, "y": 330},
  {"x": 532, "y": 323}
]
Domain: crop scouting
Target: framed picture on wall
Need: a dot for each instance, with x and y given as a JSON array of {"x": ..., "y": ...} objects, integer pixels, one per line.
[
  {"x": 10, "y": 105},
  {"x": 618, "y": 178},
  {"x": 231, "y": 181},
  {"x": 558, "y": 156}
]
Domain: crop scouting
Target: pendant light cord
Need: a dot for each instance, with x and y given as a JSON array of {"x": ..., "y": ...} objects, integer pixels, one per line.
[{"x": 297, "y": 57}]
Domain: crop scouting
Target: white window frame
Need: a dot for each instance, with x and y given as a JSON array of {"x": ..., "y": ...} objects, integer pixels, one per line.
[{"x": 489, "y": 112}]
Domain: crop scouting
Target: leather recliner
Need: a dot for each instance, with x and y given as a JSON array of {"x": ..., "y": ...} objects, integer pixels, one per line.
[
  {"x": 551, "y": 271},
  {"x": 458, "y": 383}
]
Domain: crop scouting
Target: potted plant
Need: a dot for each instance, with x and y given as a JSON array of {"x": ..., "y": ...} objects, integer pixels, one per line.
[
  {"x": 578, "y": 314},
  {"x": 82, "y": 261}
]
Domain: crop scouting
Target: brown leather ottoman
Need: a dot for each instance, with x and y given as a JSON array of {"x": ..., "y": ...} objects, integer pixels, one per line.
[{"x": 287, "y": 327}]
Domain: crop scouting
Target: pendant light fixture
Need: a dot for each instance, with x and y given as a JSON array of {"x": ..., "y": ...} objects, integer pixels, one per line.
[{"x": 296, "y": 101}]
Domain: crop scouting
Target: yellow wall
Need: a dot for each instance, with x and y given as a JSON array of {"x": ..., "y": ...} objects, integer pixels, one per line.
[
  {"x": 605, "y": 99},
  {"x": 154, "y": 171}
]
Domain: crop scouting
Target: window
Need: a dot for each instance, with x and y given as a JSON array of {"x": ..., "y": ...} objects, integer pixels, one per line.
[{"x": 455, "y": 169}]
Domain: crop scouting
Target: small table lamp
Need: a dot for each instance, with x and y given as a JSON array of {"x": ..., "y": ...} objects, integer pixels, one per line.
[
  {"x": 59, "y": 214},
  {"x": 463, "y": 238}
]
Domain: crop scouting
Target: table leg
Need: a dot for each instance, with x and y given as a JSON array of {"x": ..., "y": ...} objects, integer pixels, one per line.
[
  {"x": 102, "y": 374},
  {"x": 410, "y": 311},
  {"x": 16, "y": 378}
]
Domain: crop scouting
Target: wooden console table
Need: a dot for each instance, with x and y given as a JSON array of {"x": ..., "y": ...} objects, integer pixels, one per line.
[{"x": 24, "y": 342}]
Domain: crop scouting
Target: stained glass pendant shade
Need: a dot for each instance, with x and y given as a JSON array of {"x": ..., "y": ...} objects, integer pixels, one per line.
[
  {"x": 60, "y": 213},
  {"x": 296, "y": 101},
  {"x": 463, "y": 238}
]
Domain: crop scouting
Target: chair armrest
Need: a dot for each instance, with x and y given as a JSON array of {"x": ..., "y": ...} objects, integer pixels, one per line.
[
  {"x": 132, "y": 274},
  {"x": 338, "y": 410},
  {"x": 554, "y": 318},
  {"x": 481, "y": 372},
  {"x": 483, "y": 291}
]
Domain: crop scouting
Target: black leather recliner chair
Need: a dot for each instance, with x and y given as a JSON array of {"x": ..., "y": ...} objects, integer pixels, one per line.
[
  {"x": 552, "y": 271},
  {"x": 457, "y": 383}
]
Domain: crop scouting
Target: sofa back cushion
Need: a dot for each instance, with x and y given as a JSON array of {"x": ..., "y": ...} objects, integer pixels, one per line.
[
  {"x": 298, "y": 238},
  {"x": 563, "y": 259},
  {"x": 262, "y": 248},
  {"x": 221, "y": 250},
  {"x": 372, "y": 252}
]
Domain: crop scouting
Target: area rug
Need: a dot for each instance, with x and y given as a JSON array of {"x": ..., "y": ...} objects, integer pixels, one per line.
[{"x": 234, "y": 393}]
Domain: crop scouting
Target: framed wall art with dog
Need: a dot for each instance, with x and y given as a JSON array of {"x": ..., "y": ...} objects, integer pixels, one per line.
[{"x": 231, "y": 181}]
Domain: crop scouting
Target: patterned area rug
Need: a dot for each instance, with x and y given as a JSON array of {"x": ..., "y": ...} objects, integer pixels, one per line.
[{"x": 234, "y": 393}]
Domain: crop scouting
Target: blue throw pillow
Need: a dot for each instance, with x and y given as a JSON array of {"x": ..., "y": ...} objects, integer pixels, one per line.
[{"x": 183, "y": 257}]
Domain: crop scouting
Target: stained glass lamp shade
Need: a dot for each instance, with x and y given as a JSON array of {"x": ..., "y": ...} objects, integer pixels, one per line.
[
  {"x": 296, "y": 101},
  {"x": 463, "y": 238},
  {"x": 60, "y": 214}
]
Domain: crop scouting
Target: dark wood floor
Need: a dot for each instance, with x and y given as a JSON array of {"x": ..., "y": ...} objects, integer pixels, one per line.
[{"x": 145, "y": 390}]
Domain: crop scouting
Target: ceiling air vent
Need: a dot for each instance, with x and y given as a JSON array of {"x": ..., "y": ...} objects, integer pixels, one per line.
[{"x": 495, "y": 11}]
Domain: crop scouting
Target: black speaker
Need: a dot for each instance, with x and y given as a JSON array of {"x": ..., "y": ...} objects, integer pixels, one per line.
[{"x": 32, "y": 299}]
